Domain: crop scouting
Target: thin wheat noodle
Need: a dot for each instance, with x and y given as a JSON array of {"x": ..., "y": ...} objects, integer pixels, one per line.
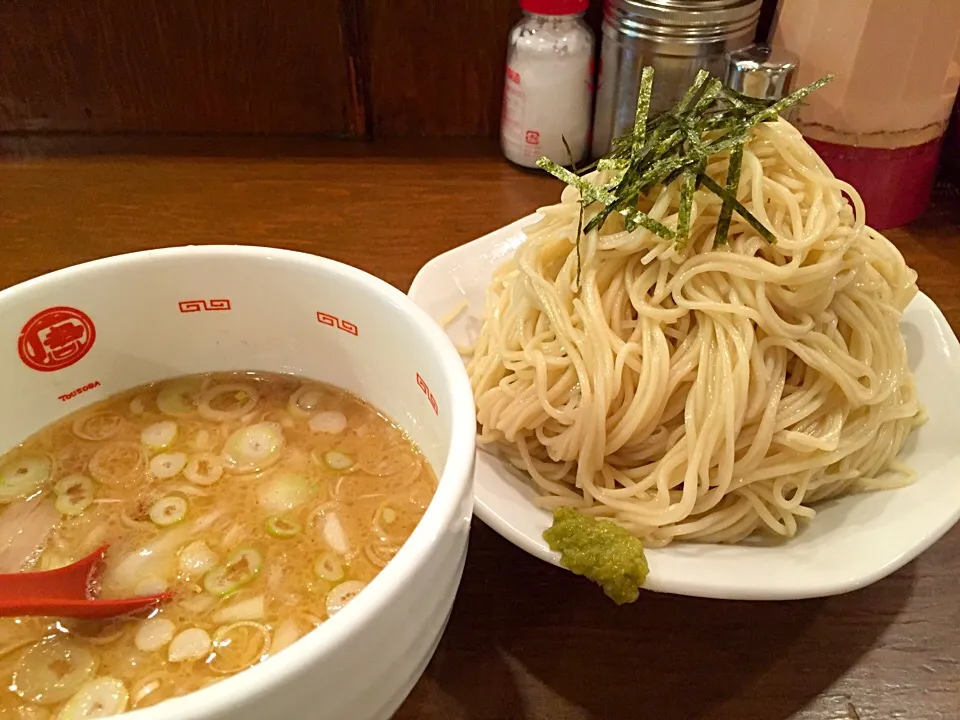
[{"x": 708, "y": 392}]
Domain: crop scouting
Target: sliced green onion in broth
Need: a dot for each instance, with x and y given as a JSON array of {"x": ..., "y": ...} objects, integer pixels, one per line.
[
  {"x": 239, "y": 569},
  {"x": 74, "y": 494},
  {"x": 253, "y": 448},
  {"x": 22, "y": 477},
  {"x": 282, "y": 527},
  {"x": 168, "y": 510}
]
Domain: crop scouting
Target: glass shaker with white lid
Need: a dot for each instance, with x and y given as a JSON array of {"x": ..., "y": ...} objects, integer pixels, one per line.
[{"x": 548, "y": 89}]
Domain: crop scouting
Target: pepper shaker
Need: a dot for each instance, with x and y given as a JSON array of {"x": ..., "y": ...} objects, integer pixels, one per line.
[
  {"x": 761, "y": 71},
  {"x": 678, "y": 38}
]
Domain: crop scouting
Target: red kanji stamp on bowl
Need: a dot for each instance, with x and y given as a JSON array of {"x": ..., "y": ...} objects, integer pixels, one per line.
[{"x": 56, "y": 338}]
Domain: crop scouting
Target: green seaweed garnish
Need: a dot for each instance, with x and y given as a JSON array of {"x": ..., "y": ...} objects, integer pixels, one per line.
[
  {"x": 686, "y": 206},
  {"x": 643, "y": 109},
  {"x": 733, "y": 182},
  {"x": 573, "y": 164},
  {"x": 599, "y": 550},
  {"x": 675, "y": 146},
  {"x": 727, "y": 196}
]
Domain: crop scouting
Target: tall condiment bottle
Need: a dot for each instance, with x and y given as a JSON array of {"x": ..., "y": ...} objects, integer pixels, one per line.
[{"x": 548, "y": 89}]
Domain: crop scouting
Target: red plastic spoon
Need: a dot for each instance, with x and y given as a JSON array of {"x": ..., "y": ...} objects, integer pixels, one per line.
[{"x": 65, "y": 592}]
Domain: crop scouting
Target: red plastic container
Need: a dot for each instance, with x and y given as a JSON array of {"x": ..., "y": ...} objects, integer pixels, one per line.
[
  {"x": 880, "y": 125},
  {"x": 895, "y": 184}
]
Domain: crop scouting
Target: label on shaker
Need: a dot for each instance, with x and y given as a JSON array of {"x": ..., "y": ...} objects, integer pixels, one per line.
[
  {"x": 542, "y": 107},
  {"x": 513, "y": 101}
]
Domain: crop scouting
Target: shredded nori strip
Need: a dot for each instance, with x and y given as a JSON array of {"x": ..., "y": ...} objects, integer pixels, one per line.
[
  {"x": 643, "y": 110},
  {"x": 686, "y": 206},
  {"x": 671, "y": 147},
  {"x": 733, "y": 182},
  {"x": 573, "y": 164},
  {"x": 711, "y": 184}
]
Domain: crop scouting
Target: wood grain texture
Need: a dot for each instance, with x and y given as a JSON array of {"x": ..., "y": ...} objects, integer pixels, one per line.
[
  {"x": 358, "y": 66},
  {"x": 191, "y": 66},
  {"x": 526, "y": 640},
  {"x": 436, "y": 68}
]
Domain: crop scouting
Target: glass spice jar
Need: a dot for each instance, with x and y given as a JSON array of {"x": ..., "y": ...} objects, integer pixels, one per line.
[{"x": 548, "y": 89}]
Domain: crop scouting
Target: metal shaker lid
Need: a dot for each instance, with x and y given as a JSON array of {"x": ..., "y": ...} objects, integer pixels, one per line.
[
  {"x": 690, "y": 20},
  {"x": 691, "y": 12},
  {"x": 761, "y": 71}
]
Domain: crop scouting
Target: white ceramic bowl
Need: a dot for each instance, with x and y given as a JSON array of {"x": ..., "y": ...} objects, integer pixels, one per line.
[
  {"x": 853, "y": 541},
  {"x": 79, "y": 335}
]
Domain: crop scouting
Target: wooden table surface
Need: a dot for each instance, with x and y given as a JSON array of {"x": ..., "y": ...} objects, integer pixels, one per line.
[{"x": 526, "y": 640}]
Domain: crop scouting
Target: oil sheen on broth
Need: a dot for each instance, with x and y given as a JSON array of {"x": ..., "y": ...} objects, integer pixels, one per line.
[{"x": 263, "y": 502}]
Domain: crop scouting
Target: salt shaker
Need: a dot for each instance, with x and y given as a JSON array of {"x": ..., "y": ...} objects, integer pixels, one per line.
[{"x": 548, "y": 90}]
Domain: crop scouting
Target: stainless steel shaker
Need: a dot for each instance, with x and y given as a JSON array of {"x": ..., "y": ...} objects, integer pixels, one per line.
[
  {"x": 761, "y": 71},
  {"x": 677, "y": 38}
]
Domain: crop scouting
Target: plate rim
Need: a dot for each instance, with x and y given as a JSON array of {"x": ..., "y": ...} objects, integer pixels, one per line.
[{"x": 793, "y": 590}]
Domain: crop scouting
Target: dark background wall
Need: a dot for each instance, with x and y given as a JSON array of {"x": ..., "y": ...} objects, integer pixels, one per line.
[{"x": 355, "y": 68}]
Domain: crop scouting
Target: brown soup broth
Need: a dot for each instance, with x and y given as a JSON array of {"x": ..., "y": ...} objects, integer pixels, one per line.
[{"x": 263, "y": 502}]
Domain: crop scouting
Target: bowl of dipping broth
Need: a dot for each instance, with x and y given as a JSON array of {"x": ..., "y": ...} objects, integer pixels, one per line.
[{"x": 282, "y": 442}]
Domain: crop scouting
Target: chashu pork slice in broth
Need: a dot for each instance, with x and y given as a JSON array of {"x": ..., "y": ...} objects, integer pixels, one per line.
[
  {"x": 24, "y": 529},
  {"x": 155, "y": 560}
]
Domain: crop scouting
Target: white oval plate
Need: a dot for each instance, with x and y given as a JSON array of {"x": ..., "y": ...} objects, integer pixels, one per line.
[{"x": 852, "y": 542}]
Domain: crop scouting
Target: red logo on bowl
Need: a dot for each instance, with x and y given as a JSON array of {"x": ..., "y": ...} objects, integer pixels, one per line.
[
  {"x": 533, "y": 137},
  {"x": 56, "y": 338},
  {"x": 339, "y": 323},
  {"x": 192, "y": 306},
  {"x": 422, "y": 384}
]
